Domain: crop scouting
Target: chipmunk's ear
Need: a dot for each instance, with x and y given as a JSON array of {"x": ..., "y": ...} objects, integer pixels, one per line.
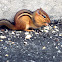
[
  {"x": 38, "y": 12},
  {"x": 41, "y": 9}
]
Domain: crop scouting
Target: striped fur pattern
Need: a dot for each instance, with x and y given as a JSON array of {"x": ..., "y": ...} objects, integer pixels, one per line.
[{"x": 25, "y": 19}]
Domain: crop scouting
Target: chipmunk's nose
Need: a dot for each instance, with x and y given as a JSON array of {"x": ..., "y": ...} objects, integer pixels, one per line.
[{"x": 46, "y": 24}]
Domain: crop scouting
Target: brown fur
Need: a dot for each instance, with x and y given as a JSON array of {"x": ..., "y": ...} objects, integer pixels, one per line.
[{"x": 25, "y": 19}]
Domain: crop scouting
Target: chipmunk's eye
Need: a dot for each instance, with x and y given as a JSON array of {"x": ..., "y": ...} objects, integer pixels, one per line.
[{"x": 44, "y": 16}]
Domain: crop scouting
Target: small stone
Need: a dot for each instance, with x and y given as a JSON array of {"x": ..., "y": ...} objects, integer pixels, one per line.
[
  {"x": 48, "y": 42},
  {"x": 26, "y": 33},
  {"x": 6, "y": 55},
  {"x": 9, "y": 38},
  {"x": 44, "y": 48},
  {"x": 59, "y": 51},
  {"x": 4, "y": 47},
  {"x": 55, "y": 27},
  {"x": 1, "y": 40},
  {"x": 53, "y": 31},
  {"x": 12, "y": 32},
  {"x": 13, "y": 42},
  {"x": 36, "y": 33},
  {"x": 17, "y": 34},
  {"x": 58, "y": 43},
  {"x": 7, "y": 61},
  {"x": 61, "y": 45},
  {"x": 50, "y": 36},
  {"x": 56, "y": 47},
  {"x": 42, "y": 30},
  {"x": 46, "y": 31},
  {"x": 25, "y": 43},
  {"x": 47, "y": 27},
  {"x": 2, "y": 37},
  {"x": 56, "y": 39},
  {"x": 60, "y": 34},
  {"x": 53, "y": 57},
  {"x": 10, "y": 41},
  {"x": 28, "y": 36}
]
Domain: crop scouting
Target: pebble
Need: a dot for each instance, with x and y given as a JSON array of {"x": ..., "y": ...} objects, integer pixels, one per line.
[
  {"x": 56, "y": 39},
  {"x": 1, "y": 40},
  {"x": 56, "y": 47},
  {"x": 58, "y": 43},
  {"x": 47, "y": 28},
  {"x": 13, "y": 42},
  {"x": 2, "y": 37},
  {"x": 26, "y": 33},
  {"x": 60, "y": 34},
  {"x": 36, "y": 33},
  {"x": 61, "y": 45},
  {"x": 17, "y": 34},
  {"x": 25, "y": 43},
  {"x": 46, "y": 31},
  {"x": 6, "y": 55},
  {"x": 10, "y": 41},
  {"x": 44, "y": 47},
  {"x": 28, "y": 36},
  {"x": 59, "y": 51},
  {"x": 9, "y": 38},
  {"x": 53, "y": 31},
  {"x": 53, "y": 57},
  {"x": 55, "y": 27},
  {"x": 48, "y": 42},
  {"x": 7, "y": 61},
  {"x": 12, "y": 32}
]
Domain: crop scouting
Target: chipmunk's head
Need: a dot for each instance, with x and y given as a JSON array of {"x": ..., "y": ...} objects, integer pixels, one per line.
[{"x": 41, "y": 18}]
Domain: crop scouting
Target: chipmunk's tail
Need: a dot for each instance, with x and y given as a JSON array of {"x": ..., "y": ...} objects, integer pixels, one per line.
[{"x": 7, "y": 24}]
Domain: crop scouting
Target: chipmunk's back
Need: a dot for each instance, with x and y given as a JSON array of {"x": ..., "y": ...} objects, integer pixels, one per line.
[{"x": 22, "y": 13}]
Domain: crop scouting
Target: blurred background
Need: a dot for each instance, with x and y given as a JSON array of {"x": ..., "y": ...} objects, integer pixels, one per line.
[{"x": 8, "y": 8}]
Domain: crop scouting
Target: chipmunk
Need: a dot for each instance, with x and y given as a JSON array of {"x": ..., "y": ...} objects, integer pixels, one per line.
[{"x": 25, "y": 19}]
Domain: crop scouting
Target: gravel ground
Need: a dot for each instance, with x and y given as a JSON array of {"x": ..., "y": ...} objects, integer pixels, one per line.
[{"x": 44, "y": 45}]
